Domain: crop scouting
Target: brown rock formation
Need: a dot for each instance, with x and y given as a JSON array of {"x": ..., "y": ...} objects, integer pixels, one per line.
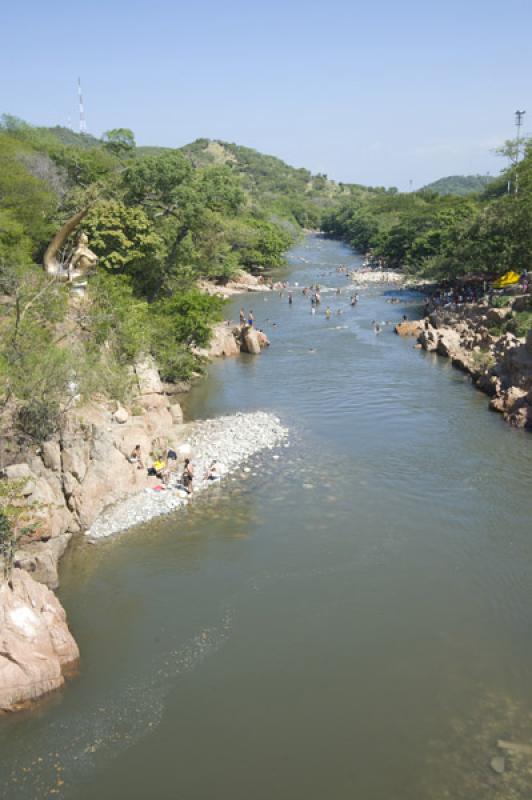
[
  {"x": 409, "y": 328},
  {"x": 500, "y": 365},
  {"x": 36, "y": 645}
]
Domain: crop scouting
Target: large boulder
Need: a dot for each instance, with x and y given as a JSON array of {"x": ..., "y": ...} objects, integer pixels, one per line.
[
  {"x": 224, "y": 341},
  {"x": 148, "y": 377},
  {"x": 41, "y": 559},
  {"x": 409, "y": 328},
  {"x": 36, "y": 645},
  {"x": 250, "y": 341},
  {"x": 51, "y": 456},
  {"x": 121, "y": 415}
]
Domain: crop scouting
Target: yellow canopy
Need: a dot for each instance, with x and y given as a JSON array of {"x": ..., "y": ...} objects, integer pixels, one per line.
[{"x": 508, "y": 279}]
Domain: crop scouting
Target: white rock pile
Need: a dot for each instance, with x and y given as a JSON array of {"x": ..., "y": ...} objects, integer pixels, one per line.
[
  {"x": 229, "y": 440},
  {"x": 365, "y": 277}
]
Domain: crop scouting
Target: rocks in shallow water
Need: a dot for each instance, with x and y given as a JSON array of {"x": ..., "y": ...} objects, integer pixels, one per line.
[
  {"x": 497, "y": 764},
  {"x": 230, "y": 441},
  {"x": 409, "y": 328},
  {"x": 250, "y": 341}
]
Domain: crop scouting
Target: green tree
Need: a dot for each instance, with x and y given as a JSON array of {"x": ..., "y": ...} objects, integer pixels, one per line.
[{"x": 119, "y": 141}]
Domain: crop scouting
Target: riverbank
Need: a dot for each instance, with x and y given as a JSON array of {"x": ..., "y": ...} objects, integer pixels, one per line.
[
  {"x": 85, "y": 481},
  {"x": 230, "y": 441},
  {"x": 477, "y": 338}
]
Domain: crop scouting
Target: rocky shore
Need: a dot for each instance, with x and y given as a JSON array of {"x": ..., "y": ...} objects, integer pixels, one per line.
[
  {"x": 477, "y": 338},
  {"x": 65, "y": 486},
  {"x": 230, "y": 440}
]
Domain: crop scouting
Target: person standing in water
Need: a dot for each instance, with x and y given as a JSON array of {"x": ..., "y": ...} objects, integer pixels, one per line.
[
  {"x": 188, "y": 476},
  {"x": 328, "y": 312},
  {"x": 289, "y": 298}
]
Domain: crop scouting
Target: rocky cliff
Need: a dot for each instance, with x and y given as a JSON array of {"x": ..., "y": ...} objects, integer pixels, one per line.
[
  {"x": 65, "y": 485},
  {"x": 500, "y": 364},
  {"x": 36, "y": 647}
]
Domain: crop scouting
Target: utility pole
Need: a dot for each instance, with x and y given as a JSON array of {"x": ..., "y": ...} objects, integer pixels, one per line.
[
  {"x": 518, "y": 123},
  {"x": 82, "y": 122}
]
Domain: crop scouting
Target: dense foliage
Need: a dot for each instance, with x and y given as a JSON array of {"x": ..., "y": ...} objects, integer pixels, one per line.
[
  {"x": 459, "y": 184},
  {"x": 445, "y": 235},
  {"x": 159, "y": 220},
  {"x": 287, "y": 193}
]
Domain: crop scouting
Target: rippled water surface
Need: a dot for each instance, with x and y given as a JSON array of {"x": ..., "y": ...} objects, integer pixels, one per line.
[{"x": 350, "y": 619}]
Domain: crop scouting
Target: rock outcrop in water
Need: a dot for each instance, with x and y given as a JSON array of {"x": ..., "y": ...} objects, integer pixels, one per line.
[
  {"x": 500, "y": 365},
  {"x": 36, "y": 646},
  {"x": 230, "y": 340}
]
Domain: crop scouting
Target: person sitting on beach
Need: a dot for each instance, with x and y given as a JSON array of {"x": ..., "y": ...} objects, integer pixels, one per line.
[
  {"x": 160, "y": 468},
  {"x": 188, "y": 476},
  {"x": 136, "y": 457}
]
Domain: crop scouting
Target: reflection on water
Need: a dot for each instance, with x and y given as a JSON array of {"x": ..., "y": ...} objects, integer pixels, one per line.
[{"x": 349, "y": 618}]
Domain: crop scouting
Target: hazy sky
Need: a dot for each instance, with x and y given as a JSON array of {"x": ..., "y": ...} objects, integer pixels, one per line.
[{"x": 379, "y": 92}]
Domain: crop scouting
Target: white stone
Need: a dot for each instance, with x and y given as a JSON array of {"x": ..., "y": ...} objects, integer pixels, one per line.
[{"x": 121, "y": 415}]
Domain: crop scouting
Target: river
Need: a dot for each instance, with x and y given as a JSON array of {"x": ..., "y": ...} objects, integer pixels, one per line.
[{"x": 351, "y": 619}]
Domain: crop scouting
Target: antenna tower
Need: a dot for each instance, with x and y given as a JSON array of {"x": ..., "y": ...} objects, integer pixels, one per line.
[
  {"x": 518, "y": 122},
  {"x": 82, "y": 122}
]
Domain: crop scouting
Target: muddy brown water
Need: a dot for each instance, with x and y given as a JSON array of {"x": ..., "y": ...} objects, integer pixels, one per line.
[{"x": 350, "y": 619}]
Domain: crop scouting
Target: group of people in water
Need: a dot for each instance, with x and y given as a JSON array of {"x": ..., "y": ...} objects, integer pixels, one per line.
[
  {"x": 165, "y": 468},
  {"x": 314, "y": 292}
]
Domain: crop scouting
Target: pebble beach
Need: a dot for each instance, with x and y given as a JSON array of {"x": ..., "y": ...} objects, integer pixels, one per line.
[{"x": 230, "y": 440}]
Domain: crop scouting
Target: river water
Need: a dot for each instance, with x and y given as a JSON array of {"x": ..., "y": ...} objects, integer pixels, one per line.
[{"x": 351, "y": 619}]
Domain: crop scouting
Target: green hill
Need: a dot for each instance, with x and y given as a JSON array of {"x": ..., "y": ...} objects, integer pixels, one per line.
[
  {"x": 459, "y": 184},
  {"x": 290, "y": 192}
]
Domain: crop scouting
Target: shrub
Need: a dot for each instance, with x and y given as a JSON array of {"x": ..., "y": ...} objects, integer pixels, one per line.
[
  {"x": 520, "y": 323},
  {"x": 500, "y": 301},
  {"x": 38, "y": 420}
]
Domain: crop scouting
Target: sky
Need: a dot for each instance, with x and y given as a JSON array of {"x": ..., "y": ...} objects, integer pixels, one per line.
[{"x": 378, "y": 92}]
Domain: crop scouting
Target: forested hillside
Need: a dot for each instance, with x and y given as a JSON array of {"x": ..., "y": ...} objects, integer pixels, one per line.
[
  {"x": 157, "y": 222},
  {"x": 287, "y": 192},
  {"x": 459, "y": 184},
  {"x": 444, "y": 236},
  {"x": 159, "y": 219}
]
